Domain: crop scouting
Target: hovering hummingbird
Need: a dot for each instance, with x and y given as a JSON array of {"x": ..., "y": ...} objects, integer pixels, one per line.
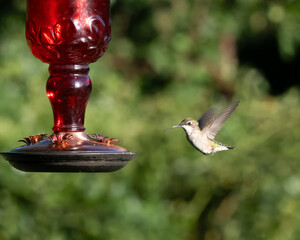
[{"x": 201, "y": 134}]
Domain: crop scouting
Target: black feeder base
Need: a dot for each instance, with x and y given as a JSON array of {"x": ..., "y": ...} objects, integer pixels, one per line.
[{"x": 69, "y": 162}]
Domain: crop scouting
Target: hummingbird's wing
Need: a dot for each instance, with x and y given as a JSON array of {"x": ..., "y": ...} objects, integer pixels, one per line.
[
  {"x": 207, "y": 119},
  {"x": 218, "y": 122}
]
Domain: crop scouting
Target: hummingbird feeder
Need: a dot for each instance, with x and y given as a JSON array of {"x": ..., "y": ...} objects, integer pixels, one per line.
[{"x": 68, "y": 35}]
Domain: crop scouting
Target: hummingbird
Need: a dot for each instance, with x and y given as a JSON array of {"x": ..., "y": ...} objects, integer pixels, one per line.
[{"x": 201, "y": 134}]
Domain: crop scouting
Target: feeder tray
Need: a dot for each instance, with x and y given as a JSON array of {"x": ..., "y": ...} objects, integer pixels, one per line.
[{"x": 68, "y": 152}]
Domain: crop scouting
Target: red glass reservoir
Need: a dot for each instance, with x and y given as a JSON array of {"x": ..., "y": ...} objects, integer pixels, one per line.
[
  {"x": 68, "y": 34},
  {"x": 68, "y": 31}
]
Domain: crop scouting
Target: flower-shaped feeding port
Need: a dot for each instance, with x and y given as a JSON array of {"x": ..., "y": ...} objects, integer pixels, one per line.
[{"x": 68, "y": 34}]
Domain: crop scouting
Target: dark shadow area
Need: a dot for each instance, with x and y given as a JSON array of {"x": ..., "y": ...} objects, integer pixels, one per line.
[
  {"x": 139, "y": 21},
  {"x": 8, "y": 9},
  {"x": 262, "y": 52},
  {"x": 153, "y": 83},
  {"x": 205, "y": 219}
]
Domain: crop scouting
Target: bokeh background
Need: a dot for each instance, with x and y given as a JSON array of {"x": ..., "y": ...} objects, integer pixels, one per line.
[{"x": 167, "y": 60}]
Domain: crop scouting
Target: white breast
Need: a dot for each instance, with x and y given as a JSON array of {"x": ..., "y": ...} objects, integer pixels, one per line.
[{"x": 198, "y": 139}]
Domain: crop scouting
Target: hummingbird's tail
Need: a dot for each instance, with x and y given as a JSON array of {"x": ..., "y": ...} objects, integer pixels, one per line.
[
  {"x": 221, "y": 146},
  {"x": 230, "y": 147}
]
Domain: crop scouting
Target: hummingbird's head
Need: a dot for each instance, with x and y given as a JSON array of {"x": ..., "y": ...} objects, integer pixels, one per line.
[{"x": 188, "y": 124}]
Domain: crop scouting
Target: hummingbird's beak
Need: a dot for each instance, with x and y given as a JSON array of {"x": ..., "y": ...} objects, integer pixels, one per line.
[{"x": 172, "y": 127}]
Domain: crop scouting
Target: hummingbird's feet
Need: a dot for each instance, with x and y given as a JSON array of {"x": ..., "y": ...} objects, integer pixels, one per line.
[
  {"x": 60, "y": 140},
  {"x": 33, "y": 139},
  {"x": 106, "y": 140}
]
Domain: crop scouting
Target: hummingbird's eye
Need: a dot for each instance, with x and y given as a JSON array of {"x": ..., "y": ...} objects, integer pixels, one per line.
[{"x": 189, "y": 123}]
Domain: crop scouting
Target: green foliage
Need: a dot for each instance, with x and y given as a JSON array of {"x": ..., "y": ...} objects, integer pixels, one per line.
[{"x": 167, "y": 60}]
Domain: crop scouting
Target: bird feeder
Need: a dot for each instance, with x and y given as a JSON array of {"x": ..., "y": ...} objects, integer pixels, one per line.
[{"x": 68, "y": 35}]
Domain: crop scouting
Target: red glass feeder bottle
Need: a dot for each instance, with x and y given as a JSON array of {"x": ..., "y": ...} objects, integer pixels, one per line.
[{"x": 68, "y": 35}]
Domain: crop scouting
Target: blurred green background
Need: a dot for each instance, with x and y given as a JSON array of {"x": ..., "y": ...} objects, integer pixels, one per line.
[{"x": 167, "y": 60}]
